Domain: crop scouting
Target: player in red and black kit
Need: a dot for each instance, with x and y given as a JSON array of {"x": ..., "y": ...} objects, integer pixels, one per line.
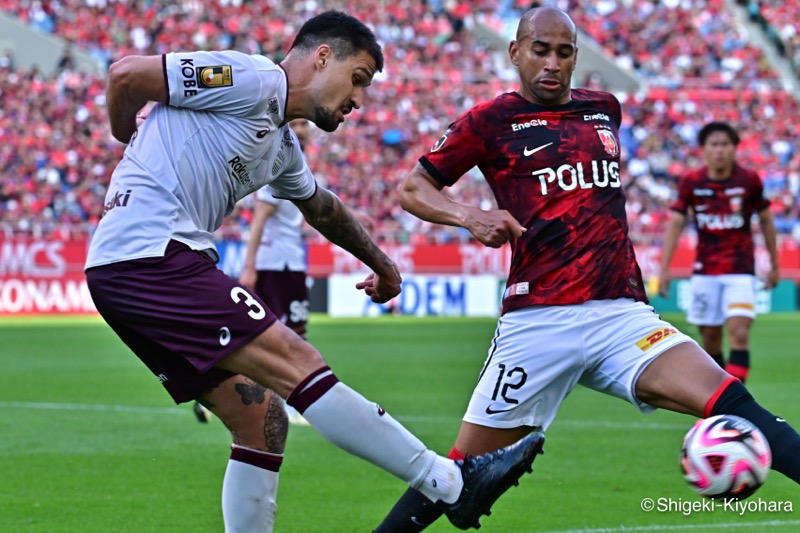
[
  {"x": 722, "y": 197},
  {"x": 574, "y": 308}
]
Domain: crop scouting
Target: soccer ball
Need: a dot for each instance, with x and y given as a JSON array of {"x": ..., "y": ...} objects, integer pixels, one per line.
[{"x": 725, "y": 457}]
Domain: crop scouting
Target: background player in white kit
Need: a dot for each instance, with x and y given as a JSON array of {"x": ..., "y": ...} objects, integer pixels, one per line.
[{"x": 217, "y": 133}]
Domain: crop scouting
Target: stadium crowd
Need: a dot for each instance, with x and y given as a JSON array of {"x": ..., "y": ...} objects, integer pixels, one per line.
[
  {"x": 56, "y": 153},
  {"x": 780, "y": 22}
]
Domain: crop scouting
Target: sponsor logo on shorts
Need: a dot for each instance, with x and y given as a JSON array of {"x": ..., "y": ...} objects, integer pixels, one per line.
[
  {"x": 214, "y": 77},
  {"x": 655, "y": 337},
  {"x": 490, "y": 411},
  {"x": 162, "y": 378},
  {"x": 224, "y": 336}
]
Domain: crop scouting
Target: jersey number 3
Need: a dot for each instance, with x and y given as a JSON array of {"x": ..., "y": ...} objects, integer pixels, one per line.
[{"x": 256, "y": 310}]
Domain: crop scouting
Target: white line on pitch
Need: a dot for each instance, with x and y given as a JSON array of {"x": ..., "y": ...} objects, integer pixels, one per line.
[
  {"x": 56, "y": 406},
  {"x": 688, "y": 527}
]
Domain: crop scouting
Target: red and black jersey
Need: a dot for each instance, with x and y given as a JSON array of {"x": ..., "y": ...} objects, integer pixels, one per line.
[
  {"x": 556, "y": 170},
  {"x": 722, "y": 210}
]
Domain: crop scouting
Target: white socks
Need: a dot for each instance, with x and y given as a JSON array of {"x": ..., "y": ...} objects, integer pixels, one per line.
[
  {"x": 249, "y": 491},
  {"x": 443, "y": 482},
  {"x": 363, "y": 428}
]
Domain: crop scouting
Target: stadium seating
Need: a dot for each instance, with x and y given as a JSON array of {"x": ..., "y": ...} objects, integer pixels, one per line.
[{"x": 697, "y": 64}]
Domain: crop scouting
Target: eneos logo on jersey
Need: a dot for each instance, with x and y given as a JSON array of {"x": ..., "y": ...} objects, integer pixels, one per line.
[
  {"x": 214, "y": 77},
  {"x": 654, "y": 338}
]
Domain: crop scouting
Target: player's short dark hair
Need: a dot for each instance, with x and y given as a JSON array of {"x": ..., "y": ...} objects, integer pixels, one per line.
[
  {"x": 713, "y": 127},
  {"x": 346, "y": 36}
]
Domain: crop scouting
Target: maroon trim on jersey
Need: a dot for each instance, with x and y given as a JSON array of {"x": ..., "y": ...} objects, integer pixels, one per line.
[
  {"x": 259, "y": 459},
  {"x": 166, "y": 78}
]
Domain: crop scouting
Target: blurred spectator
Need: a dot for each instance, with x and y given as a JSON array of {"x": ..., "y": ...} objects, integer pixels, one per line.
[{"x": 56, "y": 153}]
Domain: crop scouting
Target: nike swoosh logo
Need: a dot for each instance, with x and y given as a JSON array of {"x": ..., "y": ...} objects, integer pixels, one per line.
[
  {"x": 490, "y": 411},
  {"x": 778, "y": 419},
  {"x": 415, "y": 521},
  {"x": 262, "y": 133},
  {"x": 527, "y": 152}
]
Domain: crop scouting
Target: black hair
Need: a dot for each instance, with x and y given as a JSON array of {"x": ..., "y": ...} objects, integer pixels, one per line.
[
  {"x": 713, "y": 127},
  {"x": 346, "y": 36}
]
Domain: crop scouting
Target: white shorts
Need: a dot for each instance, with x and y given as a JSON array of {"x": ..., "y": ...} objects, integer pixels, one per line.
[
  {"x": 540, "y": 353},
  {"x": 717, "y": 298}
]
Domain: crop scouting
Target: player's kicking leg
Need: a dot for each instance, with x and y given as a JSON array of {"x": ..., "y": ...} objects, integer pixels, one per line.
[
  {"x": 413, "y": 512},
  {"x": 686, "y": 380},
  {"x": 255, "y": 417},
  {"x": 464, "y": 489}
]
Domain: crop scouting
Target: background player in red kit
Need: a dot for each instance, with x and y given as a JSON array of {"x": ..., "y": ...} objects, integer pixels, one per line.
[
  {"x": 574, "y": 308},
  {"x": 723, "y": 197}
]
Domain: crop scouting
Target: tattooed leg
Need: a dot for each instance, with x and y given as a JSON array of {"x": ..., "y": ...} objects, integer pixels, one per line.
[{"x": 258, "y": 424}]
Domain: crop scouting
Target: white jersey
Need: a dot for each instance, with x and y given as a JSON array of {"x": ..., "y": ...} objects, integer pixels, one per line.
[
  {"x": 282, "y": 243},
  {"x": 218, "y": 139}
]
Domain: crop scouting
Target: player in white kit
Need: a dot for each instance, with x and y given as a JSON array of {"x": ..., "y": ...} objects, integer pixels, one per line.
[{"x": 218, "y": 132}]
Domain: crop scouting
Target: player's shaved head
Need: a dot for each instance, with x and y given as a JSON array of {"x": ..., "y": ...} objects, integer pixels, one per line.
[{"x": 544, "y": 16}]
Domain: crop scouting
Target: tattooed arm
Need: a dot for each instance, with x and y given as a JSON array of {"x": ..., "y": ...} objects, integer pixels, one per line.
[{"x": 326, "y": 212}]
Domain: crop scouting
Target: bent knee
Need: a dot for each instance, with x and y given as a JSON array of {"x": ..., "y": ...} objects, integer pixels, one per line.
[{"x": 253, "y": 414}]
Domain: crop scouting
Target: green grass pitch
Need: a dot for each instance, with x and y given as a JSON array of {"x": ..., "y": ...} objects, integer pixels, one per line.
[{"x": 89, "y": 441}]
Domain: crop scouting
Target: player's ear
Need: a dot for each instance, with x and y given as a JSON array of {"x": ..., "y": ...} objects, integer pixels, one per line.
[
  {"x": 513, "y": 53},
  {"x": 323, "y": 55}
]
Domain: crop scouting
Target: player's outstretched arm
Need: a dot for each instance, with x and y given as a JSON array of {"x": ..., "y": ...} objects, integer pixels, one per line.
[
  {"x": 328, "y": 215},
  {"x": 132, "y": 82},
  {"x": 674, "y": 228},
  {"x": 422, "y": 196}
]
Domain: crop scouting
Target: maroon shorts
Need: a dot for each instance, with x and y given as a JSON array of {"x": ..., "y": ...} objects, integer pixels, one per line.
[
  {"x": 180, "y": 314},
  {"x": 286, "y": 294}
]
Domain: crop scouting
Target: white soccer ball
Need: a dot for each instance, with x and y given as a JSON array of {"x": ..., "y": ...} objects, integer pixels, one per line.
[{"x": 725, "y": 456}]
